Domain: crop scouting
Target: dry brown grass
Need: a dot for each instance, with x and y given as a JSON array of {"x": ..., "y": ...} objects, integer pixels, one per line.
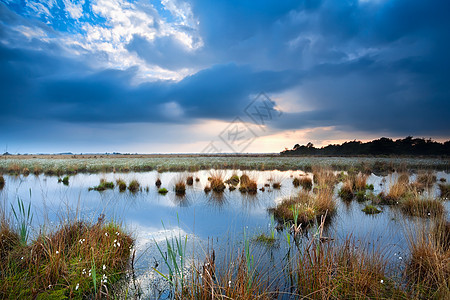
[
  {"x": 305, "y": 207},
  {"x": 428, "y": 269},
  {"x": 346, "y": 271},
  {"x": 346, "y": 191},
  {"x": 403, "y": 178},
  {"x": 303, "y": 181},
  {"x": 234, "y": 279},
  {"x": 360, "y": 182},
  {"x": 324, "y": 177},
  {"x": 248, "y": 185},
  {"x": 180, "y": 188},
  {"x": 422, "y": 207},
  {"x": 445, "y": 190},
  {"x": 426, "y": 179},
  {"x": 65, "y": 263}
]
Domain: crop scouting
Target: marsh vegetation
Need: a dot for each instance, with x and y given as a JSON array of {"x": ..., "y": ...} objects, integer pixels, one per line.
[{"x": 320, "y": 234}]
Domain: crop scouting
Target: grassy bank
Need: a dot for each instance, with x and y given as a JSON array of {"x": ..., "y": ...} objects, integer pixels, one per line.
[
  {"x": 77, "y": 260},
  {"x": 55, "y": 165}
]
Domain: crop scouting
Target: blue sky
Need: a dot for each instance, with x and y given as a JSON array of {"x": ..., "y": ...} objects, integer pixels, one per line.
[{"x": 178, "y": 76}]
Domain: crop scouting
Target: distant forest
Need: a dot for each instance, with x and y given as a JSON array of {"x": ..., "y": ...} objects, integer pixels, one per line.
[{"x": 382, "y": 146}]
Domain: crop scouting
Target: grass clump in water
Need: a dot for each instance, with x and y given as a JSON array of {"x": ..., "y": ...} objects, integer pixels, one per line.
[
  {"x": 64, "y": 180},
  {"x": 190, "y": 180},
  {"x": 104, "y": 185},
  {"x": 346, "y": 191},
  {"x": 426, "y": 179},
  {"x": 163, "y": 191},
  {"x": 360, "y": 196},
  {"x": 25, "y": 171},
  {"x": 134, "y": 186},
  {"x": 233, "y": 180},
  {"x": 304, "y": 207},
  {"x": 428, "y": 268},
  {"x": 248, "y": 185},
  {"x": 121, "y": 184},
  {"x": 344, "y": 271},
  {"x": 158, "y": 183},
  {"x": 265, "y": 239},
  {"x": 371, "y": 210},
  {"x": 305, "y": 182},
  {"x": 445, "y": 190},
  {"x": 422, "y": 207},
  {"x": 216, "y": 183},
  {"x": 180, "y": 188},
  {"x": 2, "y": 182}
]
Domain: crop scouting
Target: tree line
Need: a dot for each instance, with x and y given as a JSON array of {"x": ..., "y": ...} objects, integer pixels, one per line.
[{"x": 382, "y": 146}]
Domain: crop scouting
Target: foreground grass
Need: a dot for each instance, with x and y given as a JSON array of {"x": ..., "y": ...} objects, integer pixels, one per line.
[
  {"x": 78, "y": 260},
  {"x": 428, "y": 269},
  {"x": 317, "y": 270},
  {"x": 344, "y": 271}
]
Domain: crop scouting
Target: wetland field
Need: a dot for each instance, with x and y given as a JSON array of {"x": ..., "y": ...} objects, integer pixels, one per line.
[{"x": 224, "y": 227}]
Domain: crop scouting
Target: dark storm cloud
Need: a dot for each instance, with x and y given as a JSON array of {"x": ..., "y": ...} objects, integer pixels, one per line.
[
  {"x": 375, "y": 66},
  {"x": 37, "y": 86}
]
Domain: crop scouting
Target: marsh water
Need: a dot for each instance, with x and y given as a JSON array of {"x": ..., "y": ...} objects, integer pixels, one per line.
[{"x": 208, "y": 220}]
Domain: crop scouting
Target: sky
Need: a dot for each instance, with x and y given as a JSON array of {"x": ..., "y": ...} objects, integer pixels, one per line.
[{"x": 202, "y": 76}]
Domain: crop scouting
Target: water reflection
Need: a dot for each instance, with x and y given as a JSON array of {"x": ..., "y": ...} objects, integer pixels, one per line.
[{"x": 200, "y": 216}]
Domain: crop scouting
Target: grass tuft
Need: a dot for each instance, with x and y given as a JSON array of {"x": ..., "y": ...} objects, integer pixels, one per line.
[
  {"x": 104, "y": 185},
  {"x": 26, "y": 171},
  {"x": 445, "y": 190},
  {"x": 134, "y": 186},
  {"x": 180, "y": 188},
  {"x": 371, "y": 210},
  {"x": 121, "y": 184},
  {"x": 216, "y": 182},
  {"x": 2, "y": 182},
  {"x": 422, "y": 207},
  {"x": 305, "y": 207},
  {"x": 233, "y": 180},
  {"x": 345, "y": 271},
  {"x": 346, "y": 191},
  {"x": 158, "y": 183},
  {"x": 248, "y": 185},
  {"x": 163, "y": 191},
  {"x": 428, "y": 268}
]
